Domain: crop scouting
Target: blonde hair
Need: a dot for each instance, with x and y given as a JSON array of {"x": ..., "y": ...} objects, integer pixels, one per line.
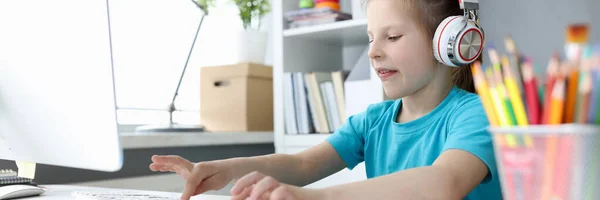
[{"x": 429, "y": 14}]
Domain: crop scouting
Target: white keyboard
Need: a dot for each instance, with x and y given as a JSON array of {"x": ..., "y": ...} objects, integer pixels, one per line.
[{"x": 95, "y": 195}]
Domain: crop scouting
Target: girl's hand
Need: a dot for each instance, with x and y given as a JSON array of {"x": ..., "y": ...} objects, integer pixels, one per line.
[
  {"x": 200, "y": 177},
  {"x": 257, "y": 186}
]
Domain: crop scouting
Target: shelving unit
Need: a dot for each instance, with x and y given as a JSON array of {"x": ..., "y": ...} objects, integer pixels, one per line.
[
  {"x": 326, "y": 47},
  {"x": 350, "y": 32}
]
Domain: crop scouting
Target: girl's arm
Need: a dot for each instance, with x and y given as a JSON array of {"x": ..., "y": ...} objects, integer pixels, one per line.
[
  {"x": 298, "y": 169},
  {"x": 452, "y": 176}
]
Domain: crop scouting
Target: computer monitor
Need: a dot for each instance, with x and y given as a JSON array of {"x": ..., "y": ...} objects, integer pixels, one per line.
[{"x": 57, "y": 96}]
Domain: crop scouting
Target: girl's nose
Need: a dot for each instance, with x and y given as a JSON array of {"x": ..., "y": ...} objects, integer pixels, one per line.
[{"x": 375, "y": 51}]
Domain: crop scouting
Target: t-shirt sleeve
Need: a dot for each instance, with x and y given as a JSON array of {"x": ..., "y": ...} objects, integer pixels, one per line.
[
  {"x": 348, "y": 140},
  {"x": 468, "y": 132}
]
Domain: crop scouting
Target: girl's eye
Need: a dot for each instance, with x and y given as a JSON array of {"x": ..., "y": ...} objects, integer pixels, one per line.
[{"x": 394, "y": 38}]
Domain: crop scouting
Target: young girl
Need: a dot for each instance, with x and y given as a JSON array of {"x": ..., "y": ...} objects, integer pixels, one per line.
[{"x": 430, "y": 143}]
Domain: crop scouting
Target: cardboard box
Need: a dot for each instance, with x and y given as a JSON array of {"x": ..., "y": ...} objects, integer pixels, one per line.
[{"x": 236, "y": 98}]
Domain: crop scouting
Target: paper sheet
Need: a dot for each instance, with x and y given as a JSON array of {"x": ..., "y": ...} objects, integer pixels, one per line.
[{"x": 26, "y": 169}]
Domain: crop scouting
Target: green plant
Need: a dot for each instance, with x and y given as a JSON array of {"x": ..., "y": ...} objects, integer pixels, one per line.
[
  {"x": 250, "y": 11},
  {"x": 204, "y": 4}
]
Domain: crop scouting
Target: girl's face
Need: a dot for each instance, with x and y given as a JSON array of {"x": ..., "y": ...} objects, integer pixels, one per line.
[{"x": 399, "y": 51}]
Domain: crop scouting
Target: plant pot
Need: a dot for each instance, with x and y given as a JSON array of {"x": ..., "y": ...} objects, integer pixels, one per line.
[{"x": 251, "y": 46}]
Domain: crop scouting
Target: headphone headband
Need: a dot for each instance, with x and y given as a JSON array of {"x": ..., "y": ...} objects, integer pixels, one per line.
[{"x": 469, "y": 4}]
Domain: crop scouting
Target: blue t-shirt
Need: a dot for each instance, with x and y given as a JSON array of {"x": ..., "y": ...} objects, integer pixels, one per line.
[{"x": 458, "y": 122}]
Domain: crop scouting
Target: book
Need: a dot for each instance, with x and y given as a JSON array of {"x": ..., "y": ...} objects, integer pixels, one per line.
[{"x": 314, "y": 102}]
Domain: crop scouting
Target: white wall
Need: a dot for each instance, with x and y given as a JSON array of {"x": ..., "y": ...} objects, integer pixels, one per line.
[
  {"x": 151, "y": 40},
  {"x": 537, "y": 26}
]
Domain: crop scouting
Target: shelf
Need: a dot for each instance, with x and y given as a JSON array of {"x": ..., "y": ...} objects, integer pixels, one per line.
[
  {"x": 349, "y": 32},
  {"x": 162, "y": 140},
  {"x": 304, "y": 140}
]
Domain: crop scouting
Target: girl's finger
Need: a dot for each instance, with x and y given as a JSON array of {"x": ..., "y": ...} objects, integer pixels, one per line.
[
  {"x": 246, "y": 181},
  {"x": 281, "y": 193},
  {"x": 266, "y": 184},
  {"x": 266, "y": 195},
  {"x": 244, "y": 194}
]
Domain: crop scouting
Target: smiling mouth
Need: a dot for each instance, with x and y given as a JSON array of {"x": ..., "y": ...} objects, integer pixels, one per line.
[{"x": 386, "y": 73}]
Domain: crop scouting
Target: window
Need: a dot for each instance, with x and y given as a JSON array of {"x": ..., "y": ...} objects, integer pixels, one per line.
[{"x": 151, "y": 40}]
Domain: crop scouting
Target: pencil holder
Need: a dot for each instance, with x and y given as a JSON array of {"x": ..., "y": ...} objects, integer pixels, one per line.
[{"x": 546, "y": 162}]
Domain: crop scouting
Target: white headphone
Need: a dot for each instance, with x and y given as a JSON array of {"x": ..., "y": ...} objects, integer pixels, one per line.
[{"x": 459, "y": 40}]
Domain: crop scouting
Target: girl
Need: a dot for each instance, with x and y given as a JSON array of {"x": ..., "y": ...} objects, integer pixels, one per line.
[{"x": 430, "y": 143}]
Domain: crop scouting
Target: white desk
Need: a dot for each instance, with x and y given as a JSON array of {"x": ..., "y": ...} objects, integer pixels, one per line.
[{"x": 63, "y": 192}]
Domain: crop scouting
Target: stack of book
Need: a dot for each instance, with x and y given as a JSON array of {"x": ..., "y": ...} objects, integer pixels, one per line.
[
  {"x": 314, "y": 16},
  {"x": 314, "y": 102}
]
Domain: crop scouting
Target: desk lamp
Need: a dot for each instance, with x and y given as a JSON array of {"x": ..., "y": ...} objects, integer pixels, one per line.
[{"x": 172, "y": 127}]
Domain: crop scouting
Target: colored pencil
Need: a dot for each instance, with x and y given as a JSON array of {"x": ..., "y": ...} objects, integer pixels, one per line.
[
  {"x": 564, "y": 160},
  {"x": 531, "y": 94},
  {"x": 541, "y": 95},
  {"x": 570, "y": 155},
  {"x": 514, "y": 93},
  {"x": 555, "y": 117},
  {"x": 500, "y": 107},
  {"x": 504, "y": 95},
  {"x": 594, "y": 97},
  {"x": 570, "y": 101},
  {"x": 516, "y": 101},
  {"x": 551, "y": 73},
  {"x": 595, "y": 106},
  {"x": 575, "y": 108},
  {"x": 593, "y": 178},
  {"x": 585, "y": 89},
  {"x": 482, "y": 89},
  {"x": 576, "y": 37},
  {"x": 506, "y": 105},
  {"x": 534, "y": 110},
  {"x": 509, "y": 139},
  {"x": 514, "y": 62}
]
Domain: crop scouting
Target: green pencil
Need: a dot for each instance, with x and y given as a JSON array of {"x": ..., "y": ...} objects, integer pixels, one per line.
[{"x": 512, "y": 120}]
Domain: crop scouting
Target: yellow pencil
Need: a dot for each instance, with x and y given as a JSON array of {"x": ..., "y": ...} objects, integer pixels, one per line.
[
  {"x": 515, "y": 98},
  {"x": 500, "y": 108},
  {"x": 483, "y": 90}
]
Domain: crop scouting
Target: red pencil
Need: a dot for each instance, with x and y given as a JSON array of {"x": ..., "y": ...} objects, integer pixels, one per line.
[{"x": 531, "y": 92}]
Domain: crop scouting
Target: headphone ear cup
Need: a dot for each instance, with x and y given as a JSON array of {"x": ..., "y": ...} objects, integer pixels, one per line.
[
  {"x": 441, "y": 37},
  {"x": 469, "y": 44}
]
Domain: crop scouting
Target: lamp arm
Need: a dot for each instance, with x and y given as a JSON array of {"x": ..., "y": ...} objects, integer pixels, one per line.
[{"x": 172, "y": 107}]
